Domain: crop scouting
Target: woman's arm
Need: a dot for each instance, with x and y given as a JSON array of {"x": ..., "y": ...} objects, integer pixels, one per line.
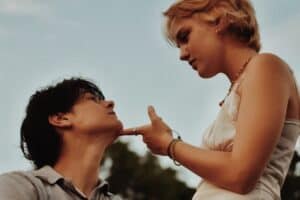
[{"x": 264, "y": 99}]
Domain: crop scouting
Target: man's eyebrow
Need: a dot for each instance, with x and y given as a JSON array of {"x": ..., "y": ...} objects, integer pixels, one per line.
[{"x": 89, "y": 94}]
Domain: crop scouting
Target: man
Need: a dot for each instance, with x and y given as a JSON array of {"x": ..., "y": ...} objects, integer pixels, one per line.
[{"x": 65, "y": 132}]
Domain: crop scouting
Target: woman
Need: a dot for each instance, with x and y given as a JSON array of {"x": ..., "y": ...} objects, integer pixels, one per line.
[{"x": 247, "y": 150}]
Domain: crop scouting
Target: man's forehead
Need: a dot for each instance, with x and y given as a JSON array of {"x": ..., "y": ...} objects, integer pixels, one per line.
[{"x": 87, "y": 93}]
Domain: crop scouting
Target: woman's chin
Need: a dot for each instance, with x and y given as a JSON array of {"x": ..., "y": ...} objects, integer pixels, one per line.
[
  {"x": 202, "y": 73},
  {"x": 205, "y": 74}
]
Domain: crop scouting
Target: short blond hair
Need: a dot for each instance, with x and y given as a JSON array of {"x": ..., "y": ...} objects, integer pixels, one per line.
[{"x": 237, "y": 18}]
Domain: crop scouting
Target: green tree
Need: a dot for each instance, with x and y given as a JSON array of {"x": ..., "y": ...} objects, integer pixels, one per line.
[{"x": 142, "y": 178}]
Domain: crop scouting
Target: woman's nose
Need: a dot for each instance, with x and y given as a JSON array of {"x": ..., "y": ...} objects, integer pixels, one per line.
[{"x": 184, "y": 54}]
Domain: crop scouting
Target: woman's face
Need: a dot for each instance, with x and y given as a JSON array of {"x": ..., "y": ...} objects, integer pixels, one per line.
[{"x": 199, "y": 45}]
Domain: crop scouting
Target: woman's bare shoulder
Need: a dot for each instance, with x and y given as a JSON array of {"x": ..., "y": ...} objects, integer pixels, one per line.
[
  {"x": 268, "y": 61},
  {"x": 266, "y": 68}
]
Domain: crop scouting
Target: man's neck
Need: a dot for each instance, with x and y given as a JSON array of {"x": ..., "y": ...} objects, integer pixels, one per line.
[{"x": 79, "y": 162}]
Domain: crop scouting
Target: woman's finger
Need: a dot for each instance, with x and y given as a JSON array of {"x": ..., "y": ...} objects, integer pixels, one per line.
[
  {"x": 152, "y": 114},
  {"x": 140, "y": 130},
  {"x": 131, "y": 131}
]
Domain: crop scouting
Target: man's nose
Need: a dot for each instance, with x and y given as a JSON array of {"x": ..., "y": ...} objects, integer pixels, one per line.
[{"x": 110, "y": 104}]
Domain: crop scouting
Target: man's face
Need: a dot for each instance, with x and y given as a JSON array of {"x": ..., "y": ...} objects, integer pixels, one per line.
[{"x": 93, "y": 114}]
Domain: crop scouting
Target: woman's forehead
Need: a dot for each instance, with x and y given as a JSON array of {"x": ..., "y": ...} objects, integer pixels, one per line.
[{"x": 176, "y": 24}]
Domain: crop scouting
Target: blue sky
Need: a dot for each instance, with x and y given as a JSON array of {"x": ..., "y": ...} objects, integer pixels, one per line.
[{"x": 120, "y": 45}]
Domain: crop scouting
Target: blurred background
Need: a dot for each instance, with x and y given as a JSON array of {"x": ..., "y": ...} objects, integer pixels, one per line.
[{"x": 120, "y": 46}]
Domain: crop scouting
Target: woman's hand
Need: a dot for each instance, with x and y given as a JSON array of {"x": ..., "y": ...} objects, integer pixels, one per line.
[{"x": 157, "y": 135}]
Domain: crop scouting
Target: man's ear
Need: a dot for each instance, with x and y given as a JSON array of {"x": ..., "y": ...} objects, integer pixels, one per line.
[{"x": 60, "y": 120}]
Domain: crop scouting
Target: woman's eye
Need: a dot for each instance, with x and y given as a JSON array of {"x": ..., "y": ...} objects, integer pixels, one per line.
[{"x": 183, "y": 36}]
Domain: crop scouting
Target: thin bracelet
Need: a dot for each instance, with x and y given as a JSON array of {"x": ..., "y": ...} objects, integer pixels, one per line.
[
  {"x": 172, "y": 151},
  {"x": 173, "y": 140},
  {"x": 169, "y": 149},
  {"x": 171, "y": 146}
]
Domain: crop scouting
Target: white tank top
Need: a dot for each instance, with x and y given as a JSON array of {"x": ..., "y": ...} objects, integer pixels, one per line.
[{"x": 219, "y": 136}]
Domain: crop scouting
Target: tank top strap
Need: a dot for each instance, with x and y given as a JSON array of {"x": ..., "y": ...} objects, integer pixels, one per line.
[{"x": 238, "y": 82}]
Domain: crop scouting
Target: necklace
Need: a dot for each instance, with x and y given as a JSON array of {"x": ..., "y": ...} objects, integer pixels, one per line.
[{"x": 236, "y": 77}]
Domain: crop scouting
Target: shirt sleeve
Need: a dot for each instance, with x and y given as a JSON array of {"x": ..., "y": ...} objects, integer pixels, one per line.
[{"x": 15, "y": 186}]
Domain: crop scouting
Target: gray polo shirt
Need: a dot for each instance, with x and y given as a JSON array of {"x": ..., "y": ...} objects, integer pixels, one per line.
[{"x": 46, "y": 184}]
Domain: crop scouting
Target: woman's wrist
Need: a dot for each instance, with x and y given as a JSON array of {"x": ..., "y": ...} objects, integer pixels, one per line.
[{"x": 171, "y": 150}]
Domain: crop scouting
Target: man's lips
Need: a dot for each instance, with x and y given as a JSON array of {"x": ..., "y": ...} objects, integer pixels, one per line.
[{"x": 112, "y": 113}]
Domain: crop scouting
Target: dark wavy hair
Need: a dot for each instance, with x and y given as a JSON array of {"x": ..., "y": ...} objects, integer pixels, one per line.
[{"x": 40, "y": 142}]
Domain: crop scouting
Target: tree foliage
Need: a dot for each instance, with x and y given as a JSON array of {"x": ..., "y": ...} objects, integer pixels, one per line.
[
  {"x": 137, "y": 177},
  {"x": 291, "y": 186}
]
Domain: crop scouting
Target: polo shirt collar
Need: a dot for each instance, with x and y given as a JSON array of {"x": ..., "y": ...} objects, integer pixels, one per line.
[{"x": 48, "y": 174}]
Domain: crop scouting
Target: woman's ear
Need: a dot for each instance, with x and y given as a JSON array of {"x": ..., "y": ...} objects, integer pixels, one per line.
[
  {"x": 60, "y": 120},
  {"x": 223, "y": 22}
]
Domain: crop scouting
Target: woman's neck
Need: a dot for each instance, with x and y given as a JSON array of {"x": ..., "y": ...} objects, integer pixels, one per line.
[{"x": 235, "y": 60}]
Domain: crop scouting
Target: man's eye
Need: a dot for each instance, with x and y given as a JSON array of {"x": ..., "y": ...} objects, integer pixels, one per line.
[
  {"x": 94, "y": 98},
  {"x": 97, "y": 99}
]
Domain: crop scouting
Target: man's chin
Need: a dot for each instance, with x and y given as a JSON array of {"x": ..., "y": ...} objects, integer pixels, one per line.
[{"x": 119, "y": 128}]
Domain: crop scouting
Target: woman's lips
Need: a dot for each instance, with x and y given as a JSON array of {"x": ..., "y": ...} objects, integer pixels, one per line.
[{"x": 193, "y": 64}]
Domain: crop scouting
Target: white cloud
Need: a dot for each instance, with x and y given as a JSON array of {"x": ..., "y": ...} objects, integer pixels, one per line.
[{"x": 23, "y": 7}]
